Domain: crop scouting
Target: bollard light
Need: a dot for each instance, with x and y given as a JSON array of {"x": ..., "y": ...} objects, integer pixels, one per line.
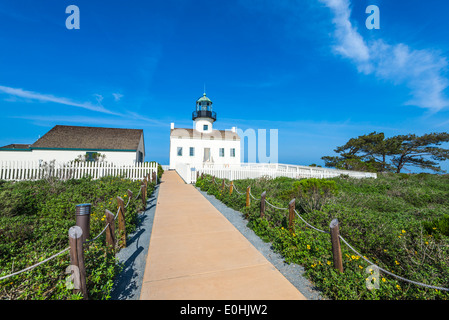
[{"x": 83, "y": 218}]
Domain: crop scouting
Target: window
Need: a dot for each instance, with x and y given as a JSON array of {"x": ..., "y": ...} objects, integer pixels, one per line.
[
  {"x": 192, "y": 151},
  {"x": 179, "y": 151},
  {"x": 221, "y": 152},
  {"x": 232, "y": 152},
  {"x": 205, "y": 127},
  {"x": 90, "y": 156}
]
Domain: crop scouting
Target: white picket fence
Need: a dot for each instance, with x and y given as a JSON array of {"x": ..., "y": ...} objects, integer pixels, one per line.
[
  {"x": 34, "y": 170},
  {"x": 256, "y": 170}
]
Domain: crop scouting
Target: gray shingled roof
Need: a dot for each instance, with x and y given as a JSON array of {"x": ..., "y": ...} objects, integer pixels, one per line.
[
  {"x": 16, "y": 146},
  {"x": 74, "y": 137}
]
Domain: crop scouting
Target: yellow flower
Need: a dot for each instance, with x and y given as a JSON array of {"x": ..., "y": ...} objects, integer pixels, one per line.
[
  {"x": 398, "y": 287},
  {"x": 360, "y": 267},
  {"x": 384, "y": 280},
  {"x": 427, "y": 242},
  {"x": 308, "y": 247},
  {"x": 329, "y": 263},
  {"x": 313, "y": 265},
  {"x": 294, "y": 235},
  {"x": 396, "y": 262},
  {"x": 385, "y": 250},
  {"x": 353, "y": 257},
  {"x": 403, "y": 231}
]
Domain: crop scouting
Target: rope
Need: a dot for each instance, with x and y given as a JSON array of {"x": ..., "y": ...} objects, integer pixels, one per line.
[
  {"x": 34, "y": 266},
  {"x": 140, "y": 191},
  {"x": 104, "y": 229},
  {"x": 308, "y": 224},
  {"x": 129, "y": 200},
  {"x": 390, "y": 273},
  {"x": 253, "y": 196},
  {"x": 266, "y": 201},
  {"x": 237, "y": 190}
]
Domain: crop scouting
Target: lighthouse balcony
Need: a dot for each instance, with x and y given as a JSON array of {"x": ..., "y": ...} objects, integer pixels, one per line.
[{"x": 204, "y": 114}]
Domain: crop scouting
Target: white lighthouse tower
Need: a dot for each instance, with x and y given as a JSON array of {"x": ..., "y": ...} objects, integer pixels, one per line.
[
  {"x": 203, "y": 116},
  {"x": 204, "y": 145}
]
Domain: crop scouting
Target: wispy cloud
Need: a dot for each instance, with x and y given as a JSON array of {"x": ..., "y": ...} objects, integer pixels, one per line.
[
  {"x": 117, "y": 96},
  {"x": 422, "y": 71},
  {"x": 17, "y": 92}
]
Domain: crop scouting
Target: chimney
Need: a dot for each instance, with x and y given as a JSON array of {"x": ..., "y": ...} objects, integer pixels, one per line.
[
  {"x": 233, "y": 129},
  {"x": 172, "y": 125}
]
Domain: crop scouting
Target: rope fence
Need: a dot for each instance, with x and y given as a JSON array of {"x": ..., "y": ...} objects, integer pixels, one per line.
[
  {"x": 335, "y": 236},
  {"x": 109, "y": 224}
]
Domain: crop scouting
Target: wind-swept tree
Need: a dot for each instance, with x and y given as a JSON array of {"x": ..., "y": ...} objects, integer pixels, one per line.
[
  {"x": 372, "y": 152},
  {"x": 412, "y": 150}
]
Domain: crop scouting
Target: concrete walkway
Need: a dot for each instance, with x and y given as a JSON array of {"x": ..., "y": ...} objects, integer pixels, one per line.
[{"x": 196, "y": 253}]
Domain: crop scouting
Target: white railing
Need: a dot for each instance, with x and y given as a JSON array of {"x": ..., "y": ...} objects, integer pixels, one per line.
[
  {"x": 256, "y": 170},
  {"x": 34, "y": 170}
]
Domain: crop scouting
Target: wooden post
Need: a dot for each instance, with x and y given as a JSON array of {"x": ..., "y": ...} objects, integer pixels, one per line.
[
  {"x": 291, "y": 215},
  {"x": 222, "y": 185},
  {"x": 144, "y": 193},
  {"x": 130, "y": 194},
  {"x": 213, "y": 179},
  {"x": 262, "y": 203},
  {"x": 336, "y": 248},
  {"x": 110, "y": 230},
  {"x": 231, "y": 187},
  {"x": 77, "y": 260},
  {"x": 154, "y": 176},
  {"x": 248, "y": 190},
  {"x": 198, "y": 175},
  {"x": 121, "y": 221}
]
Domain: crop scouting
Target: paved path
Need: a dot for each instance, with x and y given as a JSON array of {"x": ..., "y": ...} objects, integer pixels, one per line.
[{"x": 196, "y": 253}]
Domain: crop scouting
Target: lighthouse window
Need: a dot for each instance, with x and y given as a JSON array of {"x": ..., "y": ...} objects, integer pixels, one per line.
[
  {"x": 179, "y": 151},
  {"x": 233, "y": 152},
  {"x": 221, "y": 151},
  {"x": 192, "y": 151},
  {"x": 205, "y": 127}
]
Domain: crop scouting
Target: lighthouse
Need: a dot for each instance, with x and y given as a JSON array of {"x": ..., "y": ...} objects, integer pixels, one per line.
[
  {"x": 203, "y": 116},
  {"x": 203, "y": 145}
]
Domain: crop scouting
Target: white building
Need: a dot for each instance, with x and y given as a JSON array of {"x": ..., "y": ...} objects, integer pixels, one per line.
[
  {"x": 203, "y": 144},
  {"x": 67, "y": 143}
]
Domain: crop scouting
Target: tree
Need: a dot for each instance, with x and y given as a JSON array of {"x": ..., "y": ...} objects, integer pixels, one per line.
[
  {"x": 412, "y": 150},
  {"x": 373, "y": 152},
  {"x": 364, "y": 153}
]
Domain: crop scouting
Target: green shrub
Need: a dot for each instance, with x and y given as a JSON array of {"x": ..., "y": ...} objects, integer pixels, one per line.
[{"x": 34, "y": 222}]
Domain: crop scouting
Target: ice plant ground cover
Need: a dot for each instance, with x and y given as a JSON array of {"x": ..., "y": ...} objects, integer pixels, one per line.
[
  {"x": 398, "y": 221},
  {"x": 34, "y": 221}
]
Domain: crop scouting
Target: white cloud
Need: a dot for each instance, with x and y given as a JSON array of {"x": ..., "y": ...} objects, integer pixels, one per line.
[
  {"x": 420, "y": 70},
  {"x": 17, "y": 92},
  {"x": 117, "y": 96}
]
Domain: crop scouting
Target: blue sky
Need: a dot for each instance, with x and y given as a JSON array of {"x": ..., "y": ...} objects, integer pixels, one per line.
[{"x": 309, "y": 68}]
